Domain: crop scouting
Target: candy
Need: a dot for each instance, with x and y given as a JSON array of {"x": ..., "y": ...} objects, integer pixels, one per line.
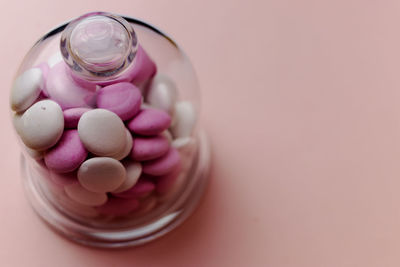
[
  {"x": 133, "y": 172},
  {"x": 126, "y": 149},
  {"x": 141, "y": 189},
  {"x": 167, "y": 134},
  {"x": 119, "y": 206},
  {"x": 55, "y": 59},
  {"x": 148, "y": 148},
  {"x": 143, "y": 68},
  {"x": 42, "y": 125},
  {"x": 182, "y": 142},
  {"x": 72, "y": 116},
  {"x": 44, "y": 67},
  {"x": 102, "y": 132},
  {"x": 37, "y": 155},
  {"x": 79, "y": 194},
  {"x": 185, "y": 119},
  {"x": 63, "y": 179},
  {"x": 26, "y": 89},
  {"x": 162, "y": 93},
  {"x": 150, "y": 122},
  {"x": 123, "y": 99},
  {"x": 101, "y": 174},
  {"x": 67, "y": 155},
  {"x": 62, "y": 88},
  {"x": 164, "y": 164}
]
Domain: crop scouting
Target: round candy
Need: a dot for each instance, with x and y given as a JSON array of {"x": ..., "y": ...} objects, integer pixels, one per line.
[
  {"x": 102, "y": 132},
  {"x": 167, "y": 134},
  {"x": 150, "y": 122},
  {"x": 123, "y": 99},
  {"x": 79, "y": 194},
  {"x": 162, "y": 93},
  {"x": 67, "y": 155},
  {"x": 119, "y": 206},
  {"x": 185, "y": 116},
  {"x": 55, "y": 59},
  {"x": 42, "y": 125},
  {"x": 149, "y": 148},
  {"x": 63, "y": 179},
  {"x": 143, "y": 69},
  {"x": 76, "y": 208},
  {"x": 101, "y": 174},
  {"x": 126, "y": 149},
  {"x": 141, "y": 189},
  {"x": 133, "y": 172},
  {"x": 63, "y": 89},
  {"x": 17, "y": 122},
  {"x": 44, "y": 67},
  {"x": 26, "y": 89},
  {"x": 37, "y": 155},
  {"x": 163, "y": 165},
  {"x": 72, "y": 116},
  {"x": 182, "y": 142}
]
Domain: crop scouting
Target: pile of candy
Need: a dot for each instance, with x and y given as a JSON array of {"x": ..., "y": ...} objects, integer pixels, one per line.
[{"x": 112, "y": 148}]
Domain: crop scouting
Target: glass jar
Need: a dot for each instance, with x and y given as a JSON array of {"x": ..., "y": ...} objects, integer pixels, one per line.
[{"x": 106, "y": 111}]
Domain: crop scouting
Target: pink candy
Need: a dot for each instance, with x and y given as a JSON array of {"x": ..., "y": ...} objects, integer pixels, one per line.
[
  {"x": 148, "y": 148},
  {"x": 164, "y": 164},
  {"x": 67, "y": 155},
  {"x": 63, "y": 89},
  {"x": 123, "y": 99},
  {"x": 150, "y": 122},
  {"x": 72, "y": 116}
]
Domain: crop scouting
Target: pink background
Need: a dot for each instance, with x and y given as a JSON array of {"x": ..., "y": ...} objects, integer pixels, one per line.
[{"x": 301, "y": 100}]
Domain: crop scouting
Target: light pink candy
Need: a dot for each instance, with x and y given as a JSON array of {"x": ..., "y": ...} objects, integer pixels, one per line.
[
  {"x": 63, "y": 89},
  {"x": 144, "y": 67},
  {"x": 67, "y": 155},
  {"x": 150, "y": 122},
  {"x": 72, "y": 116},
  {"x": 124, "y": 99},
  {"x": 119, "y": 206},
  {"x": 141, "y": 189},
  {"x": 163, "y": 165},
  {"x": 148, "y": 148}
]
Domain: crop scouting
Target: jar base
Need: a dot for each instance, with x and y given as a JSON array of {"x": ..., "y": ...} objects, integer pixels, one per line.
[{"x": 183, "y": 206}]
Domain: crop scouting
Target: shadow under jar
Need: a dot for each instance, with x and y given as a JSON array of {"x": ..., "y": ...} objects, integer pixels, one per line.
[{"x": 106, "y": 111}]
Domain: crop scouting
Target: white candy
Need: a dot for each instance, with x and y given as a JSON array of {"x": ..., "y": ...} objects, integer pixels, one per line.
[
  {"x": 167, "y": 134},
  {"x": 133, "y": 172},
  {"x": 186, "y": 117},
  {"x": 79, "y": 194},
  {"x": 42, "y": 125},
  {"x": 26, "y": 89},
  {"x": 54, "y": 59},
  {"x": 74, "y": 207},
  {"x": 127, "y": 148},
  {"x": 34, "y": 153},
  {"x": 17, "y": 122},
  {"x": 162, "y": 93},
  {"x": 181, "y": 142},
  {"x": 102, "y": 132},
  {"x": 101, "y": 174}
]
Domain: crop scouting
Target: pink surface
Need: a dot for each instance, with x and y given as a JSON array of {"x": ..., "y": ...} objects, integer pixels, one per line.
[{"x": 301, "y": 100}]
